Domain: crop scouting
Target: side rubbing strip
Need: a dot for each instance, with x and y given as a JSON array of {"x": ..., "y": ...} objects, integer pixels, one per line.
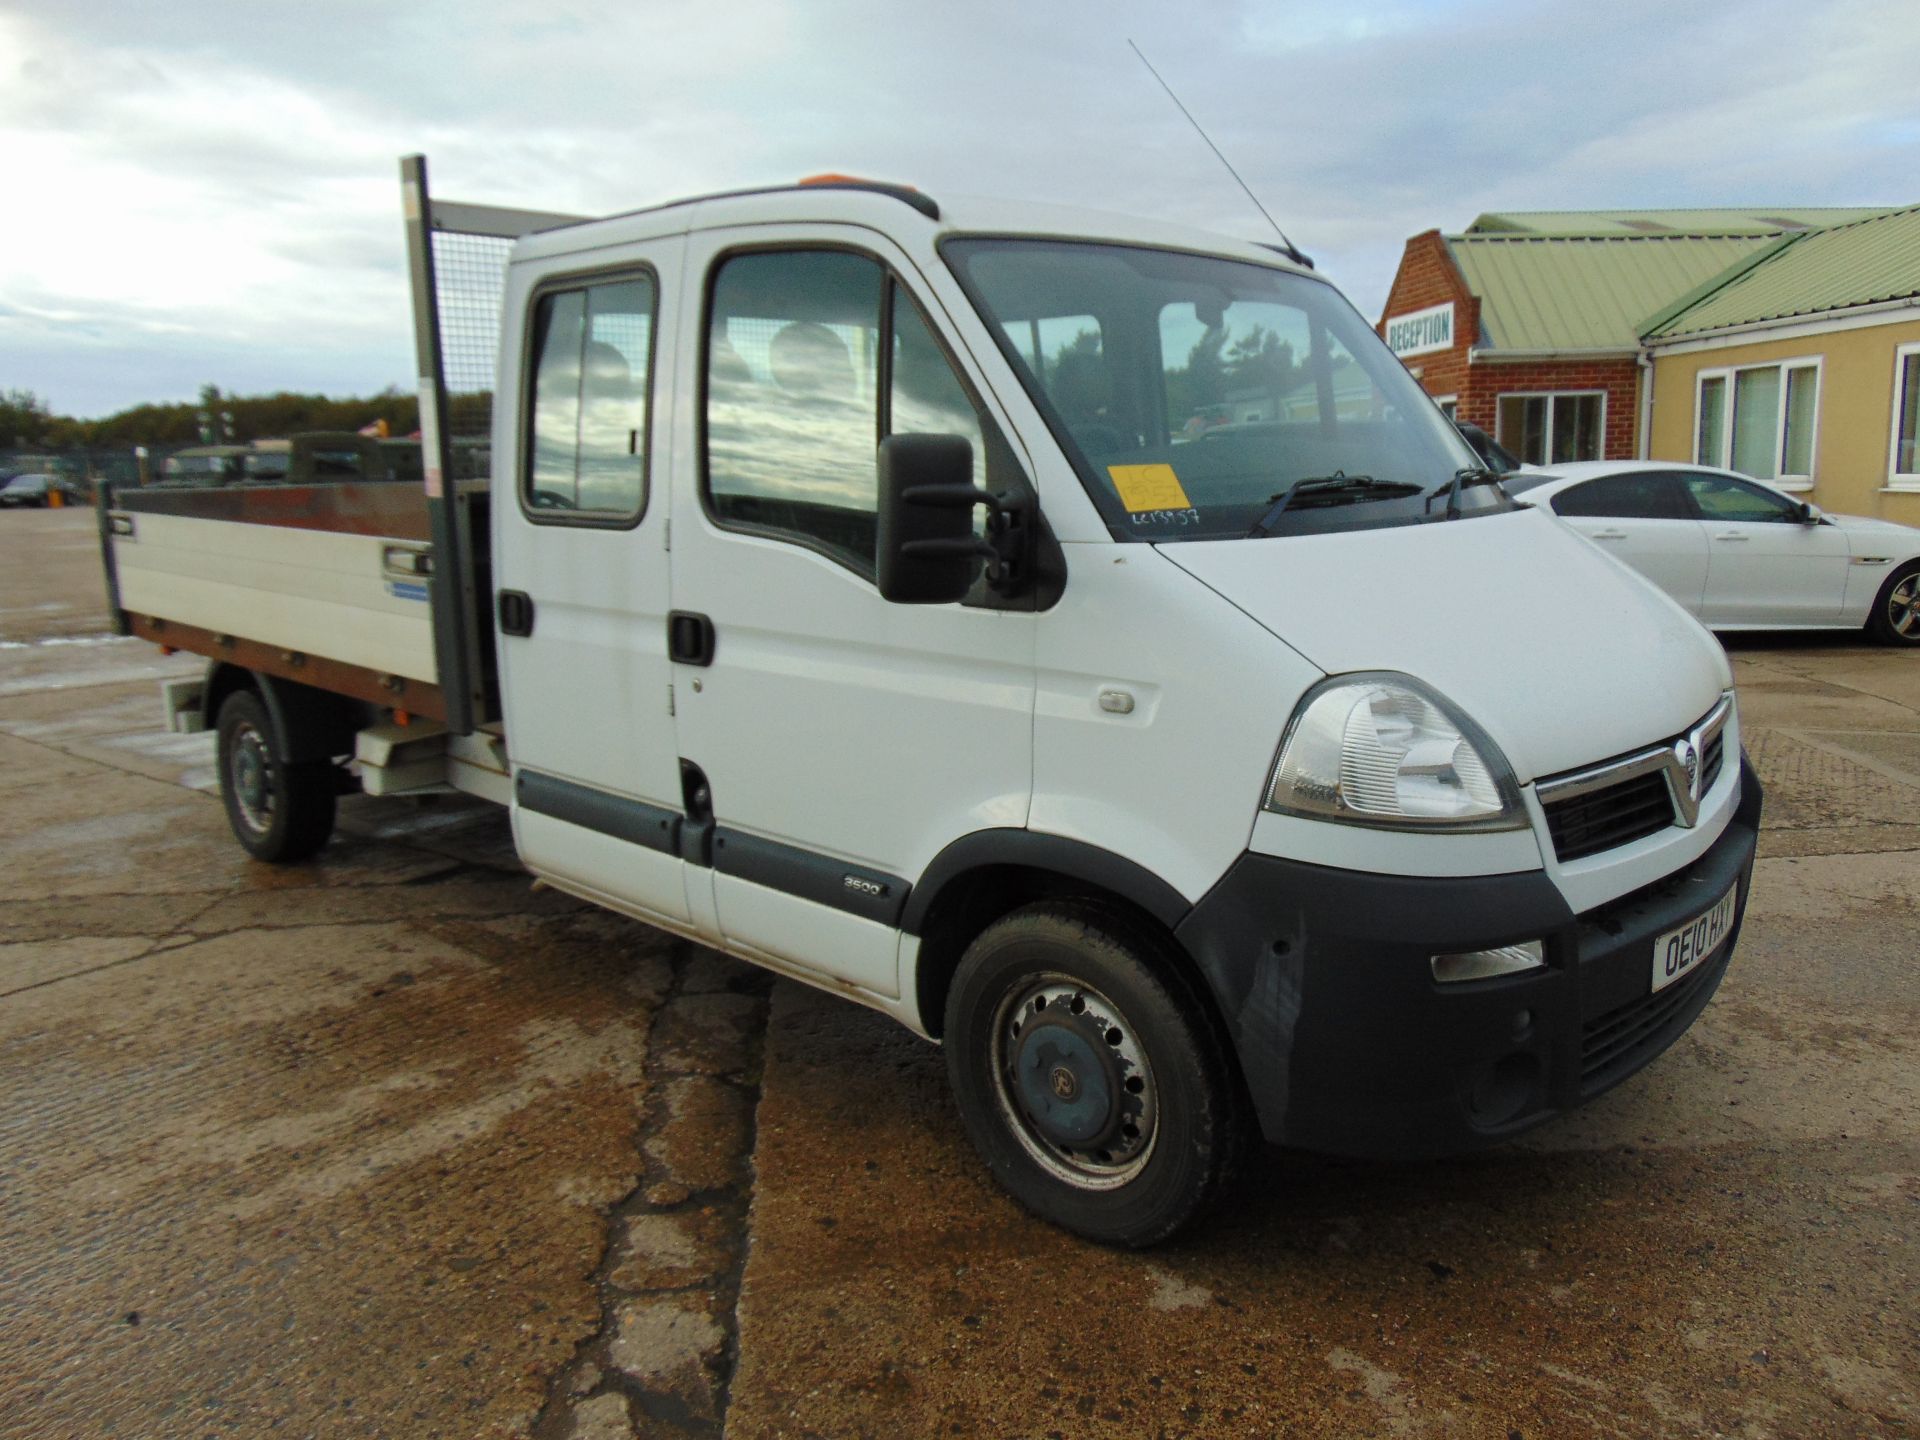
[
  {"x": 633, "y": 820},
  {"x": 870, "y": 894}
]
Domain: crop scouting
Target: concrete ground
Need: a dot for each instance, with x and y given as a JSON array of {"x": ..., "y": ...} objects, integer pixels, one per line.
[{"x": 393, "y": 1144}]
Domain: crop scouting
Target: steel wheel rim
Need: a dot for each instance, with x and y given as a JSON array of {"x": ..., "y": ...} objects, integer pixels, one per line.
[
  {"x": 1903, "y": 607},
  {"x": 250, "y": 779},
  {"x": 1113, "y": 1159}
]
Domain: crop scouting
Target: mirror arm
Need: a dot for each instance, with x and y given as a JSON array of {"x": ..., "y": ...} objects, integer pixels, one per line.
[{"x": 1005, "y": 548}]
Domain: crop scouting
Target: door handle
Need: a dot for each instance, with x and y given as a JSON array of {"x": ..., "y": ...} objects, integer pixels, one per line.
[
  {"x": 1609, "y": 534},
  {"x": 516, "y": 612},
  {"x": 690, "y": 638},
  {"x": 1732, "y": 537}
]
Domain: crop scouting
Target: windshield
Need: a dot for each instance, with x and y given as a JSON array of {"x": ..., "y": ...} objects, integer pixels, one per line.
[{"x": 1192, "y": 393}]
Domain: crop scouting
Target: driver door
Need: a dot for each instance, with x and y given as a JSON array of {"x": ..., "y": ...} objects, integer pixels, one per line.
[{"x": 1765, "y": 565}]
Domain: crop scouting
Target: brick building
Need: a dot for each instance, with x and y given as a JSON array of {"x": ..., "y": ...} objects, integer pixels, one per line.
[{"x": 1528, "y": 324}]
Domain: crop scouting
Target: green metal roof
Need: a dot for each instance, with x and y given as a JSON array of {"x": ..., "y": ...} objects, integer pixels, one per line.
[
  {"x": 1863, "y": 263},
  {"x": 1554, "y": 293},
  {"x": 1760, "y": 220}
]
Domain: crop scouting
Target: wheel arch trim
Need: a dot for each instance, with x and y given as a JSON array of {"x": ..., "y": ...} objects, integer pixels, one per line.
[
  {"x": 308, "y": 723},
  {"x": 1036, "y": 850}
]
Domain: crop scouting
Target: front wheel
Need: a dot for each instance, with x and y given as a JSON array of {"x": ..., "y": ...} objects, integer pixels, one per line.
[
  {"x": 1896, "y": 609},
  {"x": 1088, "y": 1079},
  {"x": 280, "y": 811}
]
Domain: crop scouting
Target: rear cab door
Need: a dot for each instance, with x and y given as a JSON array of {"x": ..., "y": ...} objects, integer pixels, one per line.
[
  {"x": 581, "y": 573},
  {"x": 842, "y": 740},
  {"x": 1644, "y": 518}
]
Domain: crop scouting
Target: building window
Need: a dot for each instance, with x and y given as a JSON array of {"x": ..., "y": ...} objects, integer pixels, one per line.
[
  {"x": 1761, "y": 420},
  {"x": 1449, "y": 405},
  {"x": 1553, "y": 429},
  {"x": 1903, "y": 467}
]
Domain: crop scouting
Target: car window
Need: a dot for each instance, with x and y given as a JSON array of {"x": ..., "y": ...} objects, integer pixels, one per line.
[
  {"x": 588, "y": 431},
  {"x": 1727, "y": 497},
  {"x": 1636, "y": 495},
  {"x": 814, "y": 356},
  {"x": 793, "y": 412}
]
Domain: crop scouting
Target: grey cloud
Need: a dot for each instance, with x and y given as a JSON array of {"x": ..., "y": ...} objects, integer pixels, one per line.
[{"x": 1356, "y": 127}]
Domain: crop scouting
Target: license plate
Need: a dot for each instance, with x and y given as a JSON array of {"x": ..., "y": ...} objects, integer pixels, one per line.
[{"x": 1678, "y": 951}]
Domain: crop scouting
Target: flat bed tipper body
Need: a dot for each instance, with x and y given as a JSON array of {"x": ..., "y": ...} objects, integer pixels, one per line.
[{"x": 1073, "y": 636}]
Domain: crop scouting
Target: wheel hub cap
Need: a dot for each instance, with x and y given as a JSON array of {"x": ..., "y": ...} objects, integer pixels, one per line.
[
  {"x": 1074, "y": 1082},
  {"x": 252, "y": 779},
  {"x": 1065, "y": 1084}
]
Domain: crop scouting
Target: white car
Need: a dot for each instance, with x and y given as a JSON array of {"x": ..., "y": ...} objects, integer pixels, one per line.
[{"x": 1737, "y": 553}]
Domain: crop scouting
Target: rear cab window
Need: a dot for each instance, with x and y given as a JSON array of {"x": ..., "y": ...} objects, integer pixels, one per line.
[{"x": 587, "y": 440}]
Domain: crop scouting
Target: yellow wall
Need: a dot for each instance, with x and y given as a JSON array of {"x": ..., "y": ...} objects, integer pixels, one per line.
[{"x": 1855, "y": 420}]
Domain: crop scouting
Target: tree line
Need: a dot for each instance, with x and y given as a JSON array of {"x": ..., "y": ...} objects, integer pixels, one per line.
[{"x": 26, "y": 421}]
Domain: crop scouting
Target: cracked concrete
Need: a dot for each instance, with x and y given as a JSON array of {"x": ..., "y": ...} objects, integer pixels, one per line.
[{"x": 393, "y": 1144}]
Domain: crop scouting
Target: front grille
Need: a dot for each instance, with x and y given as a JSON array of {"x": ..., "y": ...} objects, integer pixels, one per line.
[
  {"x": 1601, "y": 819},
  {"x": 1710, "y": 761},
  {"x": 1629, "y": 1035},
  {"x": 1638, "y": 795}
]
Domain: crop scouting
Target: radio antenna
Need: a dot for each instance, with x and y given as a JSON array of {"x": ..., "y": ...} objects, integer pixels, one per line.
[{"x": 1287, "y": 246}]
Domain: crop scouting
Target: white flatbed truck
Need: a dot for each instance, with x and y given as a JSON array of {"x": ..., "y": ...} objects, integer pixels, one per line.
[{"x": 1073, "y": 636}]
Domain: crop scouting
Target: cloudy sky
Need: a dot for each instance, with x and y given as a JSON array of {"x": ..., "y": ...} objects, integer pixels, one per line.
[{"x": 206, "y": 192}]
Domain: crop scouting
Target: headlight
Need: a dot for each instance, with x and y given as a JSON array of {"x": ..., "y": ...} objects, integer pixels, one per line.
[{"x": 1384, "y": 750}]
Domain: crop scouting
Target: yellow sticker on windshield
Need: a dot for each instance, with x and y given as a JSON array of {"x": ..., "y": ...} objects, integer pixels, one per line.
[{"x": 1148, "y": 487}]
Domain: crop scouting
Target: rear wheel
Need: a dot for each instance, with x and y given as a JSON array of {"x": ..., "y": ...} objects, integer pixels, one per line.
[
  {"x": 279, "y": 811},
  {"x": 1896, "y": 609},
  {"x": 1088, "y": 1079}
]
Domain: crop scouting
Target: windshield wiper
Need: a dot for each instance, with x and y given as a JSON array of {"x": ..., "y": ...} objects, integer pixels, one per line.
[
  {"x": 1338, "y": 488},
  {"x": 1466, "y": 475}
]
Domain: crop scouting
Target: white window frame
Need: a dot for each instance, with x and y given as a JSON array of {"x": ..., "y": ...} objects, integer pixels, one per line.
[
  {"x": 1898, "y": 479},
  {"x": 1443, "y": 401},
  {"x": 1780, "y": 480},
  {"x": 1547, "y": 458}
]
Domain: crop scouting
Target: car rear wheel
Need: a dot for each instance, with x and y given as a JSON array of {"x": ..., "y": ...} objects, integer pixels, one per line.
[
  {"x": 1087, "y": 1076},
  {"x": 280, "y": 812},
  {"x": 1896, "y": 609}
]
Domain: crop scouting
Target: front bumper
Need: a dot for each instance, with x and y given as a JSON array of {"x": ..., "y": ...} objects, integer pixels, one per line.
[{"x": 1350, "y": 1047}]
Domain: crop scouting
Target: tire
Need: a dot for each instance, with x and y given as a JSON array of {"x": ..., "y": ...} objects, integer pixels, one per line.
[
  {"x": 1118, "y": 1120},
  {"x": 1896, "y": 609},
  {"x": 279, "y": 812}
]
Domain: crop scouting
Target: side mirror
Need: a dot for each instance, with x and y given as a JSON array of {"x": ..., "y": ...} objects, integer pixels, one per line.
[
  {"x": 925, "y": 551},
  {"x": 1491, "y": 453}
]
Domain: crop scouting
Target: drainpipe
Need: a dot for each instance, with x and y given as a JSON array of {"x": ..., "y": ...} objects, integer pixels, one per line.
[{"x": 1645, "y": 362}]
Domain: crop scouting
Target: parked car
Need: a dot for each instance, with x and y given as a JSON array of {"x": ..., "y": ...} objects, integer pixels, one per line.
[
  {"x": 1737, "y": 553},
  {"x": 24, "y": 490}
]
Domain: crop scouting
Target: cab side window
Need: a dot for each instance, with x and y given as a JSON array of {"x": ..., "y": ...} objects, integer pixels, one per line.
[
  {"x": 1726, "y": 497},
  {"x": 813, "y": 357},
  {"x": 1641, "y": 495},
  {"x": 793, "y": 412},
  {"x": 593, "y": 352}
]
